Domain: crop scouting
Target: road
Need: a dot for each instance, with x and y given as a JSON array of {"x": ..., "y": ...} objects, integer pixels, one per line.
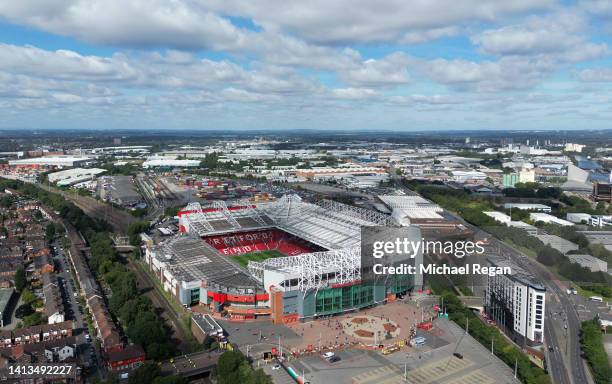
[{"x": 74, "y": 310}]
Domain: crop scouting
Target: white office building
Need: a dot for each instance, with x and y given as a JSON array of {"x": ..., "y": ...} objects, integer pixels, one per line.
[{"x": 516, "y": 303}]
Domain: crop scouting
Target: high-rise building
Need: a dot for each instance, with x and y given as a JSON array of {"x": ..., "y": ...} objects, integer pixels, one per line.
[{"x": 516, "y": 303}]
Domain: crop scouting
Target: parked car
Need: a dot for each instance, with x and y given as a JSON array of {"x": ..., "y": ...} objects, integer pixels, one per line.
[{"x": 334, "y": 359}]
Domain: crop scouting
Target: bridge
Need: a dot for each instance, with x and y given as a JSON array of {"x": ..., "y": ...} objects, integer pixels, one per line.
[
  {"x": 197, "y": 364},
  {"x": 475, "y": 303}
]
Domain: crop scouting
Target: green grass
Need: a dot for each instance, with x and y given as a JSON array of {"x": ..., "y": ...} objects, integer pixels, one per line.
[{"x": 257, "y": 256}]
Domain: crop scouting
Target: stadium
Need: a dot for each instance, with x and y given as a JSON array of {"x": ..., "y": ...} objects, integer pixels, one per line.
[{"x": 289, "y": 260}]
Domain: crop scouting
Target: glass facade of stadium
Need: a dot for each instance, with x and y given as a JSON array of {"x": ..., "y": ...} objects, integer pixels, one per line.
[{"x": 297, "y": 305}]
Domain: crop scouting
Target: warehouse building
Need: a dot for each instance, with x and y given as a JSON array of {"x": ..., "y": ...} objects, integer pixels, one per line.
[
  {"x": 549, "y": 219},
  {"x": 558, "y": 243},
  {"x": 74, "y": 176},
  {"x": 500, "y": 217},
  {"x": 528, "y": 207},
  {"x": 52, "y": 161},
  {"x": 590, "y": 262}
]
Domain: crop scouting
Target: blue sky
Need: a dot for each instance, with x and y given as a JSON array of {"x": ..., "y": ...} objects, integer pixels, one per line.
[{"x": 272, "y": 64}]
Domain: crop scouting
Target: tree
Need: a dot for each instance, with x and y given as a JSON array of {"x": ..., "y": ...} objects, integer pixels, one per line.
[
  {"x": 145, "y": 374},
  {"x": 27, "y": 296},
  {"x": 592, "y": 344},
  {"x": 170, "y": 380},
  {"x": 227, "y": 367},
  {"x": 34, "y": 319},
  {"x": 50, "y": 232},
  {"x": 20, "y": 279},
  {"x": 549, "y": 256}
]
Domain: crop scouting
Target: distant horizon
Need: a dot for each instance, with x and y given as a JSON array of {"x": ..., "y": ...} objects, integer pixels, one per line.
[{"x": 236, "y": 65}]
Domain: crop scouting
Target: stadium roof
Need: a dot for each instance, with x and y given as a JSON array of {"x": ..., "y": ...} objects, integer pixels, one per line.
[
  {"x": 327, "y": 223},
  {"x": 191, "y": 259}
]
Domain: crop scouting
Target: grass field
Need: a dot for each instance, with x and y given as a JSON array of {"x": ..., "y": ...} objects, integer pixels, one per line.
[{"x": 257, "y": 256}]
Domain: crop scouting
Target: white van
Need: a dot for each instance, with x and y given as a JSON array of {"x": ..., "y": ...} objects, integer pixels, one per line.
[{"x": 328, "y": 355}]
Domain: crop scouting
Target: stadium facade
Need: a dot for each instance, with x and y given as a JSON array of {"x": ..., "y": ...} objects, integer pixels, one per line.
[{"x": 315, "y": 269}]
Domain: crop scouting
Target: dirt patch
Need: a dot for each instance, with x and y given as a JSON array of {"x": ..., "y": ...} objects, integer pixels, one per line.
[
  {"x": 360, "y": 320},
  {"x": 364, "y": 333},
  {"x": 390, "y": 327}
]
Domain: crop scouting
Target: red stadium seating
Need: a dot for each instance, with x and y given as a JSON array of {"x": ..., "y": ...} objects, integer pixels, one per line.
[{"x": 245, "y": 242}]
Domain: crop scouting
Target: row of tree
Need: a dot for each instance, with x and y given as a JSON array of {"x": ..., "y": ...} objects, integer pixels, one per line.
[{"x": 591, "y": 341}]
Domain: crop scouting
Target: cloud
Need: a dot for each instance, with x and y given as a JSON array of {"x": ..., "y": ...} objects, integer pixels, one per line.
[
  {"x": 62, "y": 64},
  {"x": 595, "y": 75},
  {"x": 487, "y": 76},
  {"x": 354, "y": 93},
  {"x": 184, "y": 24},
  {"x": 560, "y": 35},
  {"x": 137, "y": 23},
  {"x": 388, "y": 71},
  {"x": 364, "y": 21}
]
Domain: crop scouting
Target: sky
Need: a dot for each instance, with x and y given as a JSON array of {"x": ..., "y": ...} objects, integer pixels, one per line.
[{"x": 400, "y": 65}]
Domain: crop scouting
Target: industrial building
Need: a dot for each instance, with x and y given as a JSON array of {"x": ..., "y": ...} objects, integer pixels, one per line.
[
  {"x": 516, "y": 303},
  {"x": 602, "y": 192},
  {"x": 500, "y": 217},
  {"x": 427, "y": 216},
  {"x": 558, "y": 243},
  {"x": 578, "y": 218},
  {"x": 468, "y": 176},
  {"x": 549, "y": 219},
  {"x": 528, "y": 207},
  {"x": 74, "y": 176},
  {"x": 590, "y": 262},
  {"x": 52, "y": 161},
  {"x": 318, "y": 275},
  {"x": 169, "y": 162},
  {"x": 407, "y": 209}
]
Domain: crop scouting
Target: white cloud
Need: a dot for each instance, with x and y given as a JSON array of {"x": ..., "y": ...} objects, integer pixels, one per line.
[
  {"x": 487, "y": 76},
  {"x": 136, "y": 23},
  {"x": 354, "y": 93},
  {"x": 560, "y": 35},
  {"x": 365, "y": 21},
  {"x": 596, "y": 75},
  {"x": 388, "y": 71}
]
